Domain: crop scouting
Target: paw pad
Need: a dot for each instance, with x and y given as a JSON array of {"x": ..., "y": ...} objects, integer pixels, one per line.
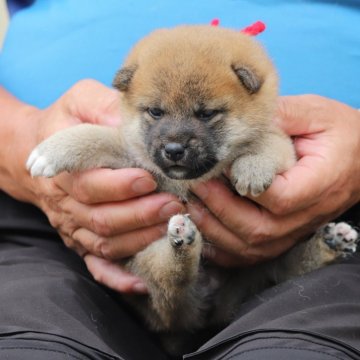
[
  {"x": 181, "y": 230},
  {"x": 341, "y": 237}
]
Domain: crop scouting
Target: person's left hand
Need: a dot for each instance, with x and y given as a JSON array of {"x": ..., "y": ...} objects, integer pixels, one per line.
[
  {"x": 238, "y": 231},
  {"x": 319, "y": 187}
]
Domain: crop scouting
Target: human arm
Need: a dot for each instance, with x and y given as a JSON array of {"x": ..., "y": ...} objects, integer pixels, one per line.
[
  {"x": 97, "y": 213},
  {"x": 322, "y": 185}
]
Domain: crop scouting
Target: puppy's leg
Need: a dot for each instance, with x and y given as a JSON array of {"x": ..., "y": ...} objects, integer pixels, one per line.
[
  {"x": 170, "y": 269},
  {"x": 77, "y": 148},
  {"x": 331, "y": 242},
  {"x": 253, "y": 172}
]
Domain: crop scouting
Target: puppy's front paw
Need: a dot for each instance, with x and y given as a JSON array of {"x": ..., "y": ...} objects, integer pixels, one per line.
[
  {"x": 182, "y": 231},
  {"x": 75, "y": 148},
  {"x": 252, "y": 175},
  {"x": 340, "y": 237},
  {"x": 40, "y": 163},
  {"x": 48, "y": 159}
]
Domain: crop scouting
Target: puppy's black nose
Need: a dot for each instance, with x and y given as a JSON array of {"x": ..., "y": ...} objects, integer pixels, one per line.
[{"x": 174, "y": 151}]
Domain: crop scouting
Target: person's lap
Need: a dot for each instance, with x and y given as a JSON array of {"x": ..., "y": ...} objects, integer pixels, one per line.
[
  {"x": 312, "y": 317},
  {"x": 52, "y": 308}
]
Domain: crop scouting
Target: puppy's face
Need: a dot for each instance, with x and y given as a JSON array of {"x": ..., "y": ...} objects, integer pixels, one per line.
[{"x": 195, "y": 98}]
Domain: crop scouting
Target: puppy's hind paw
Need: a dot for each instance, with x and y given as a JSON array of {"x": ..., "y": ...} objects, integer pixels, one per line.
[
  {"x": 181, "y": 231},
  {"x": 340, "y": 237}
]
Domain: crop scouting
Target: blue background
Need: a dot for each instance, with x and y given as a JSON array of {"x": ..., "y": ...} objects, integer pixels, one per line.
[{"x": 54, "y": 43}]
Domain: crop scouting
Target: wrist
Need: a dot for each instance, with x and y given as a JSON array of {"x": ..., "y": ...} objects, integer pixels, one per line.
[{"x": 19, "y": 127}]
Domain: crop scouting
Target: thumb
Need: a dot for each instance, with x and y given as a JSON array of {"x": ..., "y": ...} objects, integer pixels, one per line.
[
  {"x": 302, "y": 114},
  {"x": 92, "y": 102},
  {"x": 305, "y": 117}
]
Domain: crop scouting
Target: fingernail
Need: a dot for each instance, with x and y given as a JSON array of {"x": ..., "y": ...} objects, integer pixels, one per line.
[
  {"x": 99, "y": 246},
  {"x": 105, "y": 250},
  {"x": 144, "y": 185},
  {"x": 140, "y": 288},
  {"x": 201, "y": 191},
  {"x": 169, "y": 209}
]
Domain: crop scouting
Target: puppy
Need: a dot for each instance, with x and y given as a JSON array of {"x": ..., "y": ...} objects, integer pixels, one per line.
[{"x": 195, "y": 101}]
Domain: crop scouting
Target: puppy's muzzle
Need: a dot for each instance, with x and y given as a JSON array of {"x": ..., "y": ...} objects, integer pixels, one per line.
[{"x": 174, "y": 151}]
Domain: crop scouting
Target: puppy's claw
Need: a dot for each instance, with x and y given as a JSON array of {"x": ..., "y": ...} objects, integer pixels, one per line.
[
  {"x": 250, "y": 179},
  {"x": 32, "y": 158},
  {"x": 178, "y": 242}
]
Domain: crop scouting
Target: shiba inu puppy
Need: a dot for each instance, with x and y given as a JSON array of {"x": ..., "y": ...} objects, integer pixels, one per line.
[{"x": 195, "y": 101}]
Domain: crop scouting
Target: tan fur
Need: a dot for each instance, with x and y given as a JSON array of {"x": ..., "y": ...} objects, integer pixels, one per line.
[{"x": 185, "y": 72}]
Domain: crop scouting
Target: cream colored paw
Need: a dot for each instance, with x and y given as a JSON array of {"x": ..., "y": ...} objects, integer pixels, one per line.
[{"x": 341, "y": 237}]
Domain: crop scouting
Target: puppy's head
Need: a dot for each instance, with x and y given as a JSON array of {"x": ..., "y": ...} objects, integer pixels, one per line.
[{"x": 195, "y": 97}]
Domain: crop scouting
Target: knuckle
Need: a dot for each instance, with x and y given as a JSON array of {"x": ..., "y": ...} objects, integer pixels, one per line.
[
  {"x": 79, "y": 190},
  {"x": 255, "y": 255},
  {"x": 67, "y": 241},
  {"x": 54, "y": 220},
  {"x": 145, "y": 237},
  {"x": 113, "y": 252},
  {"x": 222, "y": 213},
  {"x": 107, "y": 253},
  {"x": 99, "y": 223},
  {"x": 98, "y": 245},
  {"x": 282, "y": 206},
  {"x": 316, "y": 103},
  {"x": 261, "y": 234},
  {"x": 140, "y": 219},
  {"x": 82, "y": 85},
  {"x": 316, "y": 100}
]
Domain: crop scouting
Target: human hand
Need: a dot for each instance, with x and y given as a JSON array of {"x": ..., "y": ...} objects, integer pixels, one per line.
[
  {"x": 322, "y": 185},
  {"x": 102, "y": 213}
]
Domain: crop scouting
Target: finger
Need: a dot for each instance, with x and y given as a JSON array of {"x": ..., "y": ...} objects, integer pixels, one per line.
[
  {"x": 225, "y": 259},
  {"x": 74, "y": 245},
  {"x": 271, "y": 249},
  {"x": 129, "y": 244},
  {"x": 301, "y": 115},
  {"x": 90, "y": 242},
  {"x": 118, "y": 218},
  {"x": 106, "y": 185},
  {"x": 229, "y": 208},
  {"x": 120, "y": 246},
  {"x": 215, "y": 232},
  {"x": 113, "y": 276},
  {"x": 236, "y": 218},
  {"x": 298, "y": 188}
]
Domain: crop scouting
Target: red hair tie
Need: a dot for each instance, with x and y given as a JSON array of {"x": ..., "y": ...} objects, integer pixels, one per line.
[
  {"x": 254, "y": 29},
  {"x": 251, "y": 30}
]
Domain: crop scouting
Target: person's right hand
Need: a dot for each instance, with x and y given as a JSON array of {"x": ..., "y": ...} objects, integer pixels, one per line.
[
  {"x": 105, "y": 216},
  {"x": 102, "y": 214}
]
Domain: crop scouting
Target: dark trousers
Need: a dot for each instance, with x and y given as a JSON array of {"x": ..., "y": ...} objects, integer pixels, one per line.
[{"x": 51, "y": 309}]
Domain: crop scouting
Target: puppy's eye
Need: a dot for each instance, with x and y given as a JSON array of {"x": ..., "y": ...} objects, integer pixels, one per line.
[
  {"x": 205, "y": 114},
  {"x": 155, "y": 113}
]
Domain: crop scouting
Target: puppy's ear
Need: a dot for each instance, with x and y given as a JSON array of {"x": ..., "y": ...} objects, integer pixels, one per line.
[
  {"x": 123, "y": 78},
  {"x": 248, "y": 78}
]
